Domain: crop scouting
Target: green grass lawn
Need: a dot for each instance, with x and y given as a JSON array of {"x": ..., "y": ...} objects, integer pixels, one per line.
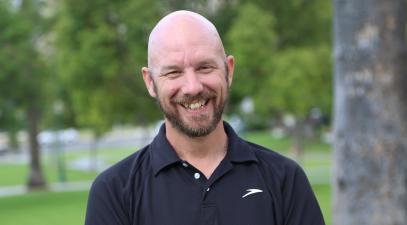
[
  {"x": 323, "y": 194},
  {"x": 69, "y": 207},
  {"x": 109, "y": 155},
  {"x": 44, "y": 209},
  {"x": 16, "y": 174},
  {"x": 283, "y": 145}
]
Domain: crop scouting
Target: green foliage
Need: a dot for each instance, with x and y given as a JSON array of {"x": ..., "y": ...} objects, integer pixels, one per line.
[
  {"x": 100, "y": 47},
  {"x": 300, "y": 79},
  {"x": 21, "y": 67},
  {"x": 282, "y": 52},
  {"x": 252, "y": 41},
  {"x": 194, "y": 5},
  {"x": 299, "y": 22},
  {"x": 8, "y": 111},
  {"x": 24, "y": 74}
]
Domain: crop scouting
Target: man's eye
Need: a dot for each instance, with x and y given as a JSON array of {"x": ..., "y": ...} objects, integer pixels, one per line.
[
  {"x": 205, "y": 69},
  {"x": 172, "y": 74}
]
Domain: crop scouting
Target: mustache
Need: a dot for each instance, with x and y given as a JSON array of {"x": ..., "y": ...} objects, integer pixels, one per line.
[{"x": 190, "y": 98}]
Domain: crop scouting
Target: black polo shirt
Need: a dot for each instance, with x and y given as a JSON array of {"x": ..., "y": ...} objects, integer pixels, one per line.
[{"x": 251, "y": 186}]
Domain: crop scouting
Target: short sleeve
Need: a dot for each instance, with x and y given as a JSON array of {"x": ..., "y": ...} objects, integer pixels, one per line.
[
  {"x": 105, "y": 205},
  {"x": 300, "y": 204}
]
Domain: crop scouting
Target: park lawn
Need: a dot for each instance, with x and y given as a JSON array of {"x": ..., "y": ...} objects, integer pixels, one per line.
[
  {"x": 323, "y": 194},
  {"x": 68, "y": 208},
  {"x": 109, "y": 155},
  {"x": 16, "y": 174},
  {"x": 284, "y": 144},
  {"x": 265, "y": 139},
  {"x": 316, "y": 161},
  {"x": 44, "y": 208}
]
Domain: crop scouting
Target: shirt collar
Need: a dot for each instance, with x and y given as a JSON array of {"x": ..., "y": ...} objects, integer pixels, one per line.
[
  {"x": 163, "y": 154},
  {"x": 238, "y": 149}
]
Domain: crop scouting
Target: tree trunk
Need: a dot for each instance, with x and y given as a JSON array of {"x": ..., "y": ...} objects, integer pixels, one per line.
[
  {"x": 370, "y": 172},
  {"x": 36, "y": 178},
  {"x": 297, "y": 148},
  {"x": 94, "y": 159},
  {"x": 13, "y": 143}
]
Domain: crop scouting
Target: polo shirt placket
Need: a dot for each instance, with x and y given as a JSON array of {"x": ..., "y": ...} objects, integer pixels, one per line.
[
  {"x": 208, "y": 206},
  {"x": 209, "y": 212}
]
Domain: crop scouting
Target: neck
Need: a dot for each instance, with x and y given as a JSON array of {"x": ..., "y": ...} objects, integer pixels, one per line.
[{"x": 201, "y": 152}]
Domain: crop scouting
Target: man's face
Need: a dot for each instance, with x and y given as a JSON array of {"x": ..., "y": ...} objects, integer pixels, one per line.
[
  {"x": 192, "y": 95},
  {"x": 188, "y": 74}
]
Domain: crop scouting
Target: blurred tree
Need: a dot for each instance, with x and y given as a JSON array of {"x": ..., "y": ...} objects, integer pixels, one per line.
[
  {"x": 285, "y": 71},
  {"x": 23, "y": 73},
  {"x": 194, "y": 5},
  {"x": 250, "y": 40},
  {"x": 222, "y": 13},
  {"x": 370, "y": 172},
  {"x": 299, "y": 80},
  {"x": 101, "y": 45},
  {"x": 9, "y": 119},
  {"x": 299, "y": 22}
]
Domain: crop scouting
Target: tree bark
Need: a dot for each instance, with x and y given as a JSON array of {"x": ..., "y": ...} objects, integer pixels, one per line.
[
  {"x": 370, "y": 172},
  {"x": 35, "y": 178},
  {"x": 298, "y": 135},
  {"x": 13, "y": 143}
]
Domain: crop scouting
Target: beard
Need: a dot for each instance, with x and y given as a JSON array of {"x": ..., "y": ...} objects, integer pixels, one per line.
[{"x": 189, "y": 129}]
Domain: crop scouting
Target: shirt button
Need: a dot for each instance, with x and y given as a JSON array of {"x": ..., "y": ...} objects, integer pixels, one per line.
[
  {"x": 184, "y": 164},
  {"x": 197, "y": 176}
]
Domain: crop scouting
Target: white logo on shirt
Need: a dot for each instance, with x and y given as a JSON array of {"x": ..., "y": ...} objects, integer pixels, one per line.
[{"x": 252, "y": 191}]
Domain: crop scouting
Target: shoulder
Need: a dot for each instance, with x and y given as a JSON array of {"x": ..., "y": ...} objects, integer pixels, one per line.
[
  {"x": 109, "y": 199},
  {"x": 289, "y": 186},
  {"x": 276, "y": 166},
  {"x": 120, "y": 174},
  {"x": 272, "y": 158}
]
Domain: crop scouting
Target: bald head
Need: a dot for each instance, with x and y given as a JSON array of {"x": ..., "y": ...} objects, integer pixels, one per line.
[{"x": 179, "y": 29}]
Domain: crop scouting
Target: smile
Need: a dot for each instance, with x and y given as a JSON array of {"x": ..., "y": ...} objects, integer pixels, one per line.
[{"x": 196, "y": 104}]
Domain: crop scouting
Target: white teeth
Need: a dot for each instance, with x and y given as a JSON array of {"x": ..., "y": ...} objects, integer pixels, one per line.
[{"x": 195, "y": 105}]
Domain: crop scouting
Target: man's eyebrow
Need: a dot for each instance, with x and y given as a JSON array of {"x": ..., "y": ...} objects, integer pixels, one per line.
[
  {"x": 169, "y": 67},
  {"x": 206, "y": 62}
]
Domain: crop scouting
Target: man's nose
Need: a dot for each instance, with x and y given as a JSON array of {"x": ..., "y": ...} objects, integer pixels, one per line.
[{"x": 192, "y": 84}]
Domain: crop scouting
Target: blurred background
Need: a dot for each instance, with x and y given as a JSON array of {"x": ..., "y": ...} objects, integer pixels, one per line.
[{"x": 72, "y": 99}]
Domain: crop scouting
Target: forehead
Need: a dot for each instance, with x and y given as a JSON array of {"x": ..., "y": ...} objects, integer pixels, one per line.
[
  {"x": 184, "y": 39},
  {"x": 185, "y": 54}
]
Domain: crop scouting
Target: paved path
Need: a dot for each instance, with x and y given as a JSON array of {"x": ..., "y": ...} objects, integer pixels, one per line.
[{"x": 54, "y": 187}]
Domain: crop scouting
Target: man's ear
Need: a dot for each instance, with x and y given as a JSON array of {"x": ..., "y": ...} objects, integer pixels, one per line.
[
  {"x": 148, "y": 81},
  {"x": 230, "y": 61}
]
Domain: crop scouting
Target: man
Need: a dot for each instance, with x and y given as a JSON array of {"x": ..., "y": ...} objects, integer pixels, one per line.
[{"x": 197, "y": 170}]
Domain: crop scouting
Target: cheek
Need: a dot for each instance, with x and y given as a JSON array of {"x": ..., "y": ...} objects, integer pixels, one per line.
[
  {"x": 215, "y": 81},
  {"x": 219, "y": 85},
  {"x": 166, "y": 90}
]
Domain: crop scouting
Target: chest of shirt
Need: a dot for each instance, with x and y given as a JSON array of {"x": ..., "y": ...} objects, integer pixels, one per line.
[{"x": 183, "y": 196}]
